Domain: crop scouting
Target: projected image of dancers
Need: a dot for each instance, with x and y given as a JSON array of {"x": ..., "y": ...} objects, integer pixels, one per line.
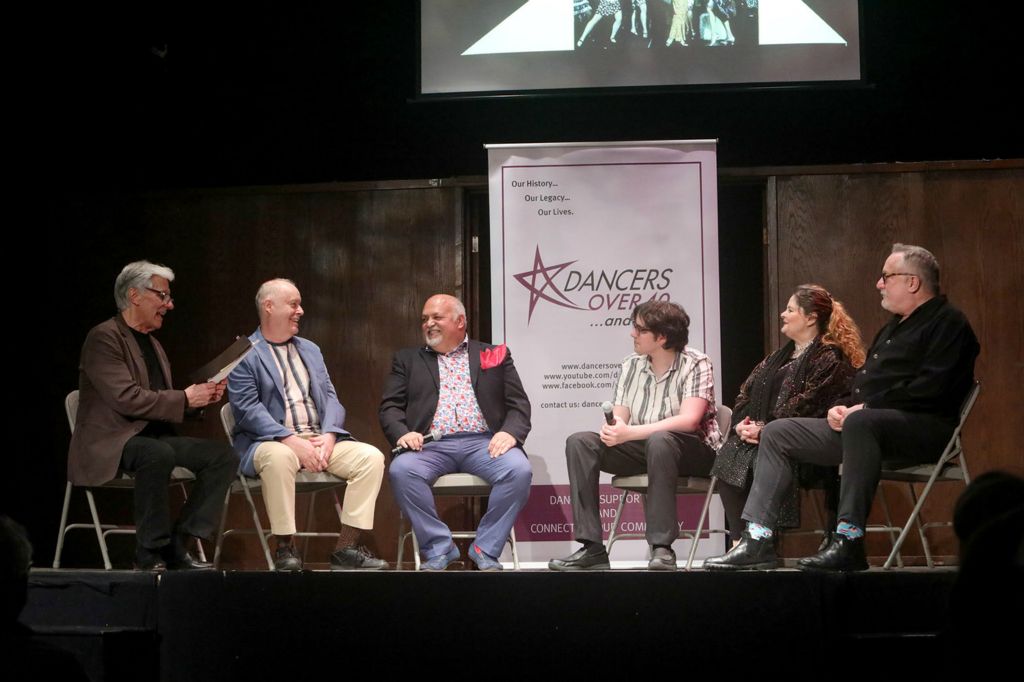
[{"x": 664, "y": 24}]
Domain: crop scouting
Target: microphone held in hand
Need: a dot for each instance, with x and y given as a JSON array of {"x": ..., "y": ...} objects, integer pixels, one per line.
[
  {"x": 609, "y": 418},
  {"x": 429, "y": 438}
]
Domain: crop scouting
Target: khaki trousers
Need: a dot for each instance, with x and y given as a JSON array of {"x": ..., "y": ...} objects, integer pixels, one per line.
[{"x": 360, "y": 464}]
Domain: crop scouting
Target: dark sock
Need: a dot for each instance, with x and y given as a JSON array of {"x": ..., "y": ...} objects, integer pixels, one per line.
[{"x": 347, "y": 537}]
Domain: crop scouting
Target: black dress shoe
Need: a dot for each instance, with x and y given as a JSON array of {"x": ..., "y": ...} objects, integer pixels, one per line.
[
  {"x": 748, "y": 555},
  {"x": 356, "y": 559},
  {"x": 826, "y": 540},
  {"x": 844, "y": 554},
  {"x": 592, "y": 558},
  {"x": 148, "y": 560},
  {"x": 662, "y": 559},
  {"x": 187, "y": 562},
  {"x": 285, "y": 559},
  {"x": 178, "y": 557}
]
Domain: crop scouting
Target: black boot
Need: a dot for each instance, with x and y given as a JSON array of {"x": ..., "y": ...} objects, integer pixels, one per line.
[
  {"x": 844, "y": 554},
  {"x": 748, "y": 555},
  {"x": 149, "y": 560},
  {"x": 179, "y": 558}
]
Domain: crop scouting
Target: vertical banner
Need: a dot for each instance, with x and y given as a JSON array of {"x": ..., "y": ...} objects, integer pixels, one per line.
[{"x": 582, "y": 233}]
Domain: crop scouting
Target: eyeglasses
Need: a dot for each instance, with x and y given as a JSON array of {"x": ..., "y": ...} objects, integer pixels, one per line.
[
  {"x": 639, "y": 329},
  {"x": 164, "y": 296},
  {"x": 886, "y": 275}
]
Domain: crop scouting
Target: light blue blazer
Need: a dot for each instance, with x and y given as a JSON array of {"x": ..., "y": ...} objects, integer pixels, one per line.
[{"x": 257, "y": 398}]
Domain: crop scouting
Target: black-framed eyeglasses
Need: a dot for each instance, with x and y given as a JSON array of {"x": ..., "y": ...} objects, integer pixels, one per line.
[
  {"x": 164, "y": 296},
  {"x": 886, "y": 275},
  {"x": 639, "y": 329}
]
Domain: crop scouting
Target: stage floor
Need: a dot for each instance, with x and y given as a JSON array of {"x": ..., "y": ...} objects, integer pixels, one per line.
[{"x": 250, "y": 625}]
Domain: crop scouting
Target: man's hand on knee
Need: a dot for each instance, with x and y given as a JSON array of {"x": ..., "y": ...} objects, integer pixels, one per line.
[
  {"x": 838, "y": 414},
  {"x": 324, "y": 444},
  {"x": 412, "y": 440},
  {"x": 308, "y": 456},
  {"x": 500, "y": 444}
]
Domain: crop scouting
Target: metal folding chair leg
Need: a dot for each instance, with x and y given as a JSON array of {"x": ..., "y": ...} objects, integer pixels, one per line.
[
  {"x": 100, "y": 535},
  {"x": 920, "y": 530},
  {"x": 219, "y": 544},
  {"x": 405, "y": 533},
  {"x": 914, "y": 518},
  {"x": 613, "y": 534},
  {"x": 888, "y": 522},
  {"x": 310, "y": 517},
  {"x": 700, "y": 523},
  {"x": 515, "y": 550},
  {"x": 63, "y": 526},
  {"x": 256, "y": 523}
]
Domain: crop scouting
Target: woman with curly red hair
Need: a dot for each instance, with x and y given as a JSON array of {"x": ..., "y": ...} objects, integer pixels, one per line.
[{"x": 802, "y": 379}]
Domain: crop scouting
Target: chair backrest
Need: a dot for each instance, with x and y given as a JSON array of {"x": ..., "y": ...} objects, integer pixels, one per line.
[
  {"x": 972, "y": 395},
  {"x": 955, "y": 448},
  {"x": 724, "y": 418},
  {"x": 227, "y": 420},
  {"x": 71, "y": 407}
]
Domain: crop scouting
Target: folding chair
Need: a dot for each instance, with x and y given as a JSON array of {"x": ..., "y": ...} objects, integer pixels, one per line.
[
  {"x": 452, "y": 485},
  {"x": 305, "y": 482},
  {"x": 686, "y": 485},
  {"x": 950, "y": 467},
  {"x": 124, "y": 481}
]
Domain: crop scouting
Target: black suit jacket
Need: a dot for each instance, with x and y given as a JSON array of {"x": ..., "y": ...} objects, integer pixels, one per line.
[{"x": 411, "y": 392}]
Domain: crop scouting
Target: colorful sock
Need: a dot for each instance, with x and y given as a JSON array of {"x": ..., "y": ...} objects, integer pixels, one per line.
[
  {"x": 757, "y": 531},
  {"x": 849, "y": 530}
]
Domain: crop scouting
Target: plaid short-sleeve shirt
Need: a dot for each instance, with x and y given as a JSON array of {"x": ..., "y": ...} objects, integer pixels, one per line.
[{"x": 651, "y": 399}]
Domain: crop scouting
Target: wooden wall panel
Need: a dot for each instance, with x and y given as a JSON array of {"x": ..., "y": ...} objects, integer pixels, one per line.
[
  {"x": 838, "y": 229},
  {"x": 366, "y": 256},
  {"x": 364, "y": 260}
]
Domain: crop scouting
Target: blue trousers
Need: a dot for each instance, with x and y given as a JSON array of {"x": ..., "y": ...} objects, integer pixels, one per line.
[{"x": 413, "y": 473}]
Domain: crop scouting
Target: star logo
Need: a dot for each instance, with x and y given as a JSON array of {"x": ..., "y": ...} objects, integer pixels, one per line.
[{"x": 541, "y": 280}]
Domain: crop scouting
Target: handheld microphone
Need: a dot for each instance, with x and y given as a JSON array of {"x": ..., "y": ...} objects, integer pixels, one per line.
[
  {"x": 609, "y": 418},
  {"x": 429, "y": 438}
]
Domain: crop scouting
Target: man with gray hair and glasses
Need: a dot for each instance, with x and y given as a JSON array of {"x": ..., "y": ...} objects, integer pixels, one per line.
[
  {"x": 904, "y": 404},
  {"x": 127, "y": 407}
]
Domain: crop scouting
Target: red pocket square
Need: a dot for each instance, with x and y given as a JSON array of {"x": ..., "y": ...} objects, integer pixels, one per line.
[{"x": 492, "y": 357}]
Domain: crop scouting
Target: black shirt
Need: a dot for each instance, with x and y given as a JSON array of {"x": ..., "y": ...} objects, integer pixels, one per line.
[
  {"x": 154, "y": 429},
  {"x": 923, "y": 364}
]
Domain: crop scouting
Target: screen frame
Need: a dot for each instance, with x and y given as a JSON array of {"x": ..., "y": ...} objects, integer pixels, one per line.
[{"x": 861, "y": 83}]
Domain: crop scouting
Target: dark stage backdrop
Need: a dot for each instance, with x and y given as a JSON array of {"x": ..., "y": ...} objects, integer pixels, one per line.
[
  {"x": 366, "y": 255},
  {"x": 189, "y": 94},
  {"x": 835, "y": 226}
]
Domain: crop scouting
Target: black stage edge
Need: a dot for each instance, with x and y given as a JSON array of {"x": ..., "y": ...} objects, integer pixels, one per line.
[{"x": 212, "y": 625}]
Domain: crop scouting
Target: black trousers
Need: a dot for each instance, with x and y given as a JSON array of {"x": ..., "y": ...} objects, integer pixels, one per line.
[
  {"x": 869, "y": 436},
  {"x": 151, "y": 461},
  {"x": 734, "y": 498},
  {"x": 664, "y": 457}
]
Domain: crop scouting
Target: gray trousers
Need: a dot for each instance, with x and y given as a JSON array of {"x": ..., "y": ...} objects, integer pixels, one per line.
[
  {"x": 664, "y": 457},
  {"x": 869, "y": 436}
]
